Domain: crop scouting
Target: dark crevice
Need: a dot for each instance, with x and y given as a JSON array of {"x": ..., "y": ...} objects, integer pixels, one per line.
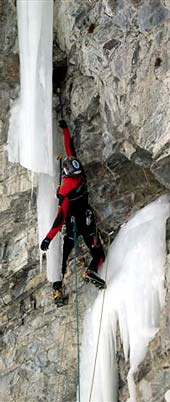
[
  {"x": 59, "y": 75},
  {"x": 158, "y": 62}
]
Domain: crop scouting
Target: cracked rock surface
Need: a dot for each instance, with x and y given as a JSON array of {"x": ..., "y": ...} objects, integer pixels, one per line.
[{"x": 117, "y": 104}]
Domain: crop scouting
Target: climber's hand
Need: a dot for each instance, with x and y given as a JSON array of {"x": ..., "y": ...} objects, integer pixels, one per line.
[
  {"x": 45, "y": 244},
  {"x": 63, "y": 124}
]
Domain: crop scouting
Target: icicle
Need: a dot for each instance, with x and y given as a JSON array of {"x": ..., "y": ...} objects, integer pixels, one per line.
[
  {"x": 47, "y": 209},
  {"x": 131, "y": 386}
]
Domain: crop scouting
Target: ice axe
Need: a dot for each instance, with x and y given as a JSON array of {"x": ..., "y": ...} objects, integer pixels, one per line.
[
  {"x": 59, "y": 74},
  {"x": 60, "y": 102},
  {"x": 60, "y": 159},
  {"x": 60, "y": 156}
]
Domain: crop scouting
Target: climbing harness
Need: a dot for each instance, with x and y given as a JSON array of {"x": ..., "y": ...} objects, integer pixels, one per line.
[
  {"x": 77, "y": 303},
  {"x": 100, "y": 325}
]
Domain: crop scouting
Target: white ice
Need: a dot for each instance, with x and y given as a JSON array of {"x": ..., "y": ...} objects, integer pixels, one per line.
[
  {"x": 167, "y": 396},
  {"x": 30, "y": 136},
  {"x": 30, "y": 132},
  {"x": 136, "y": 258},
  {"x": 46, "y": 212},
  {"x": 135, "y": 293}
]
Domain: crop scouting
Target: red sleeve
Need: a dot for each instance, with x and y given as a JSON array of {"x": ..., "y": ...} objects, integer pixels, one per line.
[
  {"x": 60, "y": 218},
  {"x": 68, "y": 143}
]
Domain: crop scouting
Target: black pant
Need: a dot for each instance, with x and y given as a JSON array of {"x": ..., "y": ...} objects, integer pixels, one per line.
[{"x": 85, "y": 226}]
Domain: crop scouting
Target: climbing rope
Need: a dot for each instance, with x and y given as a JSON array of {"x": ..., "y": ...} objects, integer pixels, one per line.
[
  {"x": 62, "y": 356},
  {"x": 61, "y": 385},
  {"x": 77, "y": 318},
  {"x": 77, "y": 303},
  {"x": 100, "y": 325}
]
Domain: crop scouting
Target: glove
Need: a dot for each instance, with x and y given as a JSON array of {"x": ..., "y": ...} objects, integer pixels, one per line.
[
  {"x": 63, "y": 124},
  {"x": 45, "y": 244}
]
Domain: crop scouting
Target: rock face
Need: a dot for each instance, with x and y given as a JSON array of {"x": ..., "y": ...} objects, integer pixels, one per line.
[{"x": 116, "y": 96}]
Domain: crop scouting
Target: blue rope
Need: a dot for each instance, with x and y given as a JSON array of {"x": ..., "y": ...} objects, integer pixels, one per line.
[{"x": 77, "y": 303}]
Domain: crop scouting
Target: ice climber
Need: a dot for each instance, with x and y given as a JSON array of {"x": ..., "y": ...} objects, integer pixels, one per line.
[{"x": 73, "y": 202}]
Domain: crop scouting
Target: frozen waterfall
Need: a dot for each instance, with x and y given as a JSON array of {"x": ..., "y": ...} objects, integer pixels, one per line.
[
  {"x": 133, "y": 298},
  {"x": 136, "y": 258},
  {"x": 30, "y": 136}
]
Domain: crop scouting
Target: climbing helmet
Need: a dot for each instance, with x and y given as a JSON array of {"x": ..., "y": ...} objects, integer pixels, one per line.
[{"x": 72, "y": 167}]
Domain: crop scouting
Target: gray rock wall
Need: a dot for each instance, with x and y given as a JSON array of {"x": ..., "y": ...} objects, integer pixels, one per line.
[{"x": 116, "y": 98}]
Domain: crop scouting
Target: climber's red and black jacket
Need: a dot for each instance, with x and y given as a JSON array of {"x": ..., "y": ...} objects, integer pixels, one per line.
[{"x": 72, "y": 194}]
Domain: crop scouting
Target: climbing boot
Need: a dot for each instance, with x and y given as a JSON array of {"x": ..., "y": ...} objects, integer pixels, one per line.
[
  {"x": 90, "y": 275},
  {"x": 58, "y": 297}
]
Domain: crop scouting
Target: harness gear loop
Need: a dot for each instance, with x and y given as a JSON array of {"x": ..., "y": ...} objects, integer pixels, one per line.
[{"x": 77, "y": 302}]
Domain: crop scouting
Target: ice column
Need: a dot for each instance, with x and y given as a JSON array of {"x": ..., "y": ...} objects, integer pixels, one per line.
[
  {"x": 30, "y": 132},
  {"x": 30, "y": 137}
]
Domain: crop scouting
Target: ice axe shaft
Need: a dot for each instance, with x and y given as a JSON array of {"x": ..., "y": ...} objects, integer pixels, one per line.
[
  {"x": 60, "y": 158},
  {"x": 61, "y": 103},
  {"x": 59, "y": 75}
]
